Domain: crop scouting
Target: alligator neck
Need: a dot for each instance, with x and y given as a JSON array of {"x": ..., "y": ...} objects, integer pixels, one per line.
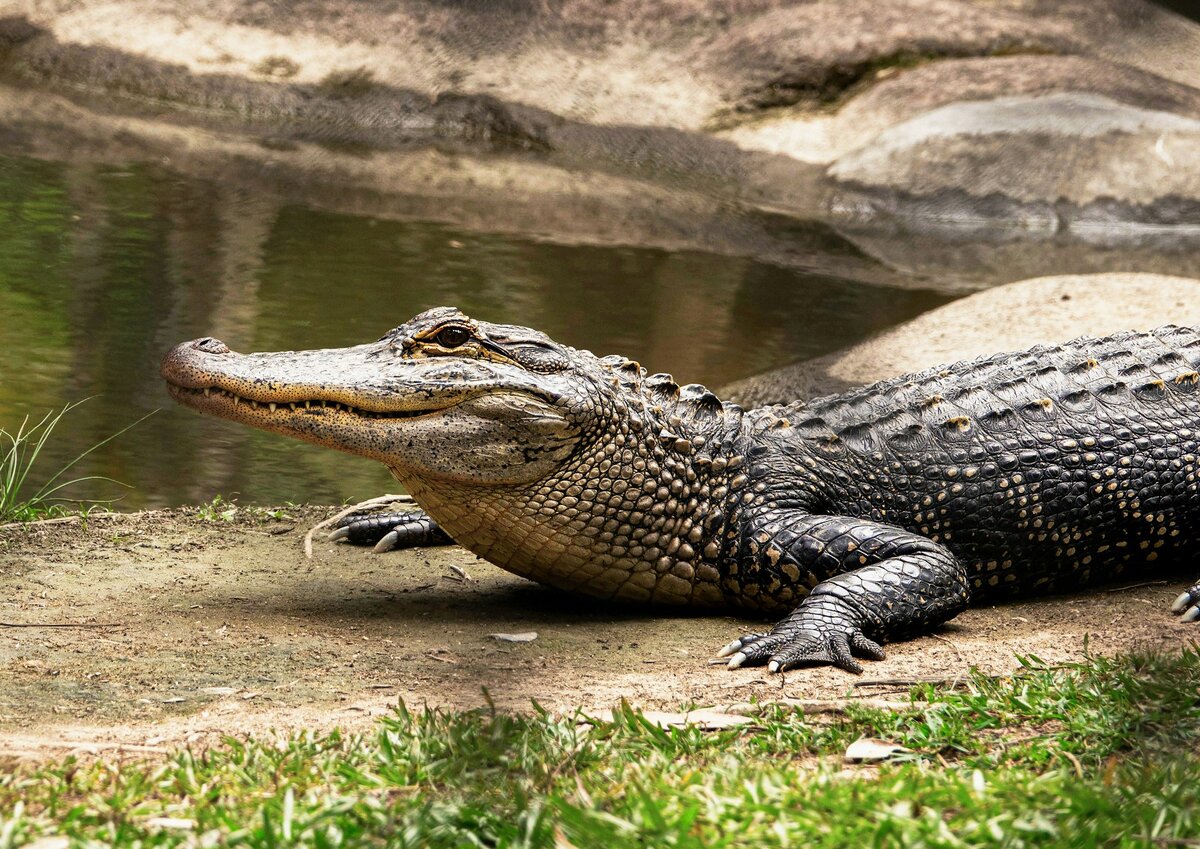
[{"x": 639, "y": 513}]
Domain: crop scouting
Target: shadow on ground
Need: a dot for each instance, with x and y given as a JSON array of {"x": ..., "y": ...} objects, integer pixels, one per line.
[{"x": 160, "y": 628}]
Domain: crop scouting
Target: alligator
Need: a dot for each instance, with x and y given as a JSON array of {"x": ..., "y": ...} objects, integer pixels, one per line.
[{"x": 860, "y": 518}]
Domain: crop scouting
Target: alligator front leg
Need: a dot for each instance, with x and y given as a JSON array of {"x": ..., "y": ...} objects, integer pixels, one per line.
[
  {"x": 388, "y": 531},
  {"x": 1188, "y": 604},
  {"x": 874, "y": 582}
]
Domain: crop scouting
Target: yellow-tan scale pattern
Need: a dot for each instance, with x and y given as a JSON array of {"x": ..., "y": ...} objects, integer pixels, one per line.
[{"x": 639, "y": 515}]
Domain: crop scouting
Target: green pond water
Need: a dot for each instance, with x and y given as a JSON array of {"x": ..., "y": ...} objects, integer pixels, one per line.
[{"x": 103, "y": 269}]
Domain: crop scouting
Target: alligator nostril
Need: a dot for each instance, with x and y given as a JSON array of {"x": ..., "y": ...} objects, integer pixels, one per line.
[{"x": 211, "y": 346}]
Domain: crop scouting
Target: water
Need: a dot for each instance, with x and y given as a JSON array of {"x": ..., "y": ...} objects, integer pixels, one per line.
[{"x": 102, "y": 269}]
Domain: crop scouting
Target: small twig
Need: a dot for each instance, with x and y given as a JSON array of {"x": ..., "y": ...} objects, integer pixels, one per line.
[
  {"x": 63, "y": 520},
  {"x": 94, "y": 747},
  {"x": 1074, "y": 762},
  {"x": 907, "y": 682},
  {"x": 816, "y": 706},
  {"x": 1138, "y": 586},
  {"x": 62, "y": 625},
  {"x": 953, "y": 647},
  {"x": 1177, "y": 841},
  {"x": 362, "y": 505}
]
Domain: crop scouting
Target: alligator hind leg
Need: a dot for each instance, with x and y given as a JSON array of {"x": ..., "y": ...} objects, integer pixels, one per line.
[
  {"x": 1188, "y": 604},
  {"x": 387, "y": 531},
  {"x": 875, "y": 582}
]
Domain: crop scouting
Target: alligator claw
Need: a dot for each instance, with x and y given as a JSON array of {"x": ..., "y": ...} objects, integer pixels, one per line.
[
  {"x": 821, "y": 633},
  {"x": 836, "y": 649},
  {"x": 389, "y": 541},
  {"x": 736, "y": 645},
  {"x": 1188, "y": 604},
  {"x": 388, "y": 531},
  {"x": 752, "y": 649}
]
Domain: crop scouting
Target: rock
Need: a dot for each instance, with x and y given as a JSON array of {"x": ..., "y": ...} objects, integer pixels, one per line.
[
  {"x": 346, "y": 108},
  {"x": 16, "y": 29},
  {"x": 965, "y": 262},
  {"x": 923, "y": 110},
  {"x": 1008, "y": 318},
  {"x": 895, "y": 97},
  {"x": 815, "y": 53},
  {"x": 1151, "y": 36},
  {"x": 1044, "y": 162}
]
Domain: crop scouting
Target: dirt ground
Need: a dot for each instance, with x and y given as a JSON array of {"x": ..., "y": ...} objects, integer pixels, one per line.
[{"x": 138, "y": 632}]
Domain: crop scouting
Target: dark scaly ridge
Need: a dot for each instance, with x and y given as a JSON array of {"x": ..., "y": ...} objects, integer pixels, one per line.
[{"x": 696, "y": 408}]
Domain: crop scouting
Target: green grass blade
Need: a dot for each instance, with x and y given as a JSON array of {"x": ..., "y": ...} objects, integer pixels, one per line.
[
  {"x": 39, "y": 494},
  {"x": 22, "y": 453}
]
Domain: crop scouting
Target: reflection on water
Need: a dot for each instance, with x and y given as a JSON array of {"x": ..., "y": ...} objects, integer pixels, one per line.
[{"x": 103, "y": 269}]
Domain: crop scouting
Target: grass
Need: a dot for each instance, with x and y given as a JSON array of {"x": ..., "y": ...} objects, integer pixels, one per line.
[
  {"x": 222, "y": 509},
  {"x": 1099, "y": 753},
  {"x": 19, "y": 501}
]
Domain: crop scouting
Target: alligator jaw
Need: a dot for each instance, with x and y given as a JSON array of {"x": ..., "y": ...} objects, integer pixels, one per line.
[
  {"x": 226, "y": 404},
  {"x": 445, "y": 418},
  {"x": 346, "y": 398}
]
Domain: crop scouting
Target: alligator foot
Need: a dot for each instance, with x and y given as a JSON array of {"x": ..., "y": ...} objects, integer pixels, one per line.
[
  {"x": 885, "y": 582},
  {"x": 1188, "y": 604},
  {"x": 822, "y": 632},
  {"x": 387, "y": 531}
]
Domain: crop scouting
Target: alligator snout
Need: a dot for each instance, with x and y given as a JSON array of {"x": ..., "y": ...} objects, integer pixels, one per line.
[{"x": 184, "y": 365}]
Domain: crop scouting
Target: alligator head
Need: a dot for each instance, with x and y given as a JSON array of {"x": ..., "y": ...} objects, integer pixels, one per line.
[
  {"x": 548, "y": 461},
  {"x": 442, "y": 397}
]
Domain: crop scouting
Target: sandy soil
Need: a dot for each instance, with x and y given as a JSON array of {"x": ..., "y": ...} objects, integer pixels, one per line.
[{"x": 137, "y": 632}]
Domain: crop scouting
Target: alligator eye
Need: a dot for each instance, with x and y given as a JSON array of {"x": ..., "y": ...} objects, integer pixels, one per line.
[{"x": 452, "y": 337}]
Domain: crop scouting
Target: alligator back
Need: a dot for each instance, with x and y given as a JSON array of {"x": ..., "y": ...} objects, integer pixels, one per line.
[{"x": 1051, "y": 468}]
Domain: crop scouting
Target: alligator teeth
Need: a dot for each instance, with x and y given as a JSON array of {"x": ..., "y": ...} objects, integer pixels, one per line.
[
  {"x": 207, "y": 391},
  {"x": 272, "y": 406},
  {"x": 292, "y": 405}
]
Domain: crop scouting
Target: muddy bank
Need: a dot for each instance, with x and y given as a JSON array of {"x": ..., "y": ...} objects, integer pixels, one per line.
[{"x": 151, "y": 629}]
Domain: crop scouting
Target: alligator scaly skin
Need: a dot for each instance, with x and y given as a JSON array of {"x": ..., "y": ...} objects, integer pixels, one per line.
[{"x": 870, "y": 515}]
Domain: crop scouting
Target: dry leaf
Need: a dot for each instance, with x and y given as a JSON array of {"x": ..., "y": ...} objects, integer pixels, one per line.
[
  {"x": 170, "y": 822},
  {"x": 523, "y": 637},
  {"x": 870, "y": 750}
]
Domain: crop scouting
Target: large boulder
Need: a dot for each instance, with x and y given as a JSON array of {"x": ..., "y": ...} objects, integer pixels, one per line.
[
  {"x": 1074, "y": 115},
  {"x": 1035, "y": 143},
  {"x": 1007, "y": 318},
  {"x": 818, "y": 53},
  {"x": 1070, "y": 159}
]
